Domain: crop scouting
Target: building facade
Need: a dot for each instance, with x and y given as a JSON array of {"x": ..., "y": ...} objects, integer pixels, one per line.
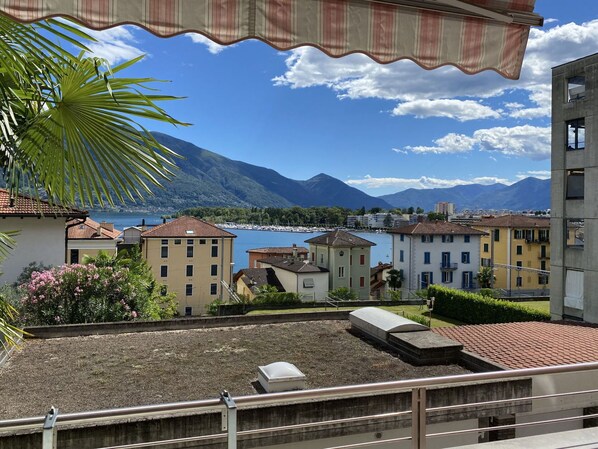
[
  {"x": 436, "y": 253},
  {"x": 299, "y": 276},
  {"x": 574, "y": 204},
  {"x": 297, "y": 252},
  {"x": 347, "y": 259},
  {"x": 518, "y": 247},
  {"x": 88, "y": 238},
  {"x": 192, "y": 258}
]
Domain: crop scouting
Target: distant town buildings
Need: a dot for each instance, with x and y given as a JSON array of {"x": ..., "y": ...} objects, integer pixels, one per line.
[
  {"x": 377, "y": 221},
  {"x": 436, "y": 252},
  {"x": 445, "y": 208}
]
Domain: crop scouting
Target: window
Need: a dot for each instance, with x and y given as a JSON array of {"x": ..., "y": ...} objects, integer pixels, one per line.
[
  {"x": 574, "y": 294},
  {"x": 544, "y": 235},
  {"x": 214, "y": 251},
  {"x": 576, "y": 134},
  {"x": 466, "y": 238},
  {"x": 308, "y": 283},
  {"x": 402, "y": 237},
  {"x": 426, "y": 257},
  {"x": 189, "y": 241},
  {"x": 401, "y": 255},
  {"x": 189, "y": 270},
  {"x": 163, "y": 271},
  {"x": 188, "y": 311},
  {"x": 189, "y": 251},
  {"x": 543, "y": 279},
  {"x": 164, "y": 252},
  {"x": 575, "y": 180},
  {"x": 351, "y": 282},
  {"x": 426, "y": 279},
  {"x": 177, "y": 241},
  {"x": 574, "y": 235},
  {"x": 467, "y": 280},
  {"x": 188, "y": 289},
  {"x": 518, "y": 281},
  {"x": 362, "y": 259},
  {"x": 164, "y": 241},
  {"x": 447, "y": 277},
  {"x": 519, "y": 250},
  {"x": 518, "y": 234},
  {"x": 543, "y": 253},
  {"x": 213, "y": 289},
  {"x": 576, "y": 88},
  {"x": 543, "y": 265},
  {"x": 202, "y": 241},
  {"x": 497, "y": 235},
  {"x": 485, "y": 247},
  {"x": 214, "y": 241},
  {"x": 214, "y": 270},
  {"x": 427, "y": 238},
  {"x": 362, "y": 281},
  {"x": 321, "y": 258},
  {"x": 341, "y": 272},
  {"x": 485, "y": 262},
  {"x": 74, "y": 256},
  {"x": 447, "y": 239},
  {"x": 465, "y": 257},
  {"x": 351, "y": 259}
]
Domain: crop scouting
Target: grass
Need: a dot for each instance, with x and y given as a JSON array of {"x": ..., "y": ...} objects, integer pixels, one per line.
[
  {"x": 543, "y": 306},
  {"x": 437, "y": 321}
]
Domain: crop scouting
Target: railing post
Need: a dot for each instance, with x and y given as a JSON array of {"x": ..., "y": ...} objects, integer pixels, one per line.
[
  {"x": 418, "y": 418},
  {"x": 229, "y": 419},
  {"x": 49, "y": 432}
]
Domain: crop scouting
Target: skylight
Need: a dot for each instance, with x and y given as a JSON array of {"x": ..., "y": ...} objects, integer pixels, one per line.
[{"x": 188, "y": 231}]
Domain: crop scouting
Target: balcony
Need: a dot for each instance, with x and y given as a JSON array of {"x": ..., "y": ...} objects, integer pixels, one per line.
[{"x": 448, "y": 266}]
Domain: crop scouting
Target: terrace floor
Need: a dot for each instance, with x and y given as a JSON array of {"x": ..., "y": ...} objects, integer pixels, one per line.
[{"x": 97, "y": 372}]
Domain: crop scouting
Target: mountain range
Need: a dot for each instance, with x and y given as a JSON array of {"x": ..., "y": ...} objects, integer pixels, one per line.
[{"x": 205, "y": 178}]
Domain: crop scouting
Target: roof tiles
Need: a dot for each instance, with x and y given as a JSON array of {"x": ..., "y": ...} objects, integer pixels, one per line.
[
  {"x": 340, "y": 239},
  {"x": 187, "y": 227},
  {"x": 436, "y": 228},
  {"x": 25, "y": 206},
  {"x": 514, "y": 221}
]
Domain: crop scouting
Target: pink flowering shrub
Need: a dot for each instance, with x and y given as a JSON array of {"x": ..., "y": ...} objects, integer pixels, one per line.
[{"x": 89, "y": 294}]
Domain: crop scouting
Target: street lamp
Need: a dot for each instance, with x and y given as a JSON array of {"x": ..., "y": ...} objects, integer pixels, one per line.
[{"x": 430, "y": 303}]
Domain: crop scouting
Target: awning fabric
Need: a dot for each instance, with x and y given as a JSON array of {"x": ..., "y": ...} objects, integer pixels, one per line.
[{"x": 385, "y": 30}]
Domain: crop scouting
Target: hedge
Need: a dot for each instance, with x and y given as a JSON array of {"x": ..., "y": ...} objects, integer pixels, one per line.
[{"x": 477, "y": 309}]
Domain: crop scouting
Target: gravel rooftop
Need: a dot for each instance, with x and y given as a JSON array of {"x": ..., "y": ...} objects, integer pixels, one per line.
[{"x": 96, "y": 372}]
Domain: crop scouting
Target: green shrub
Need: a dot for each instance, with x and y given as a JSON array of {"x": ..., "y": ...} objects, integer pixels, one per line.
[
  {"x": 277, "y": 299},
  {"x": 393, "y": 295},
  {"x": 477, "y": 309},
  {"x": 417, "y": 318},
  {"x": 488, "y": 292},
  {"x": 212, "y": 308},
  {"x": 343, "y": 294}
]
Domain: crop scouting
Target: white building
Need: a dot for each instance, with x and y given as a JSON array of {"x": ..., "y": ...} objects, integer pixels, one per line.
[
  {"x": 436, "y": 253},
  {"x": 299, "y": 276},
  {"x": 41, "y": 231}
]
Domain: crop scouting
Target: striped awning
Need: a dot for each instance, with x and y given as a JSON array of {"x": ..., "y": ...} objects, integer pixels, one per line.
[{"x": 473, "y": 35}]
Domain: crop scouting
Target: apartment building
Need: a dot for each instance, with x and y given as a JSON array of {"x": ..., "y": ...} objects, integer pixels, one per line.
[
  {"x": 436, "y": 252},
  {"x": 574, "y": 208},
  {"x": 287, "y": 252},
  {"x": 88, "y": 237},
  {"x": 518, "y": 247},
  {"x": 346, "y": 257},
  {"x": 192, "y": 258}
]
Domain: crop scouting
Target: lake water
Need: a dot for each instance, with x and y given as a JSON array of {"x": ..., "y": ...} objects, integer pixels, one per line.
[{"x": 248, "y": 239}]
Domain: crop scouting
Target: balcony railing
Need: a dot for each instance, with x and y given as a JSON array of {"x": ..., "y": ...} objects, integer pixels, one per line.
[
  {"x": 448, "y": 266},
  {"x": 228, "y": 406}
]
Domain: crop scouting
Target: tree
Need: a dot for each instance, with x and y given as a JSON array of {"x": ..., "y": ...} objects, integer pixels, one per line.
[
  {"x": 375, "y": 210},
  {"x": 343, "y": 294},
  {"x": 436, "y": 216},
  {"x": 411, "y": 210},
  {"x": 485, "y": 277},
  {"x": 419, "y": 210},
  {"x": 388, "y": 221},
  {"x": 395, "y": 278},
  {"x": 68, "y": 128}
]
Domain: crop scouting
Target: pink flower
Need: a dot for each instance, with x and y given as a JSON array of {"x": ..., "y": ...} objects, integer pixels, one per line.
[{"x": 134, "y": 314}]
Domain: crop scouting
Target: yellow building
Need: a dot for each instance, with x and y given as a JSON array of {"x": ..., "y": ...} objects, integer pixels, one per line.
[
  {"x": 519, "y": 249},
  {"x": 86, "y": 237},
  {"x": 192, "y": 258}
]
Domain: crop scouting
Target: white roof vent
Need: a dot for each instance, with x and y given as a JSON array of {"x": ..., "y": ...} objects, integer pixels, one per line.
[
  {"x": 280, "y": 376},
  {"x": 189, "y": 231}
]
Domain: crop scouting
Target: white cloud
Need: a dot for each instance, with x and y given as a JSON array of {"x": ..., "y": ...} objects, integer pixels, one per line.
[
  {"x": 424, "y": 182},
  {"x": 211, "y": 46},
  {"x": 356, "y": 76},
  {"x": 114, "y": 44},
  {"x": 461, "y": 110},
  {"x": 540, "y": 174},
  {"x": 521, "y": 141}
]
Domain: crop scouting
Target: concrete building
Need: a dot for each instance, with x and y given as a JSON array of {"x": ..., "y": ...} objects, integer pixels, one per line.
[
  {"x": 279, "y": 251},
  {"x": 436, "y": 253},
  {"x": 346, "y": 257},
  {"x": 444, "y": 207},
  {"x": 574, "y": 205},
  {"x": 88, "y": 238},
  {"x": 41, "y": 231},
  {"x": 299, "y": 276},
  {"x": 192, "y": 257},
  {"x": 518, "y": 246}
]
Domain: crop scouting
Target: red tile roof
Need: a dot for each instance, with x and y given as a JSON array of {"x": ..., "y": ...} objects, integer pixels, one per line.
[
  {"x": 514, "y": 221},
  {"x": 25, "y": 206},
  {"x": 528, "y": 344},
  {"x": 340, "y": 239},
  {"x": 187, "y": 227},
  {"x": 89, "y": 230},
  {"x": 436, "y": 228}
]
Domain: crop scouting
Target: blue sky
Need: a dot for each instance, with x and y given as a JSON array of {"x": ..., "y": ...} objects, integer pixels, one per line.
[{"x": 379, "y": 128}]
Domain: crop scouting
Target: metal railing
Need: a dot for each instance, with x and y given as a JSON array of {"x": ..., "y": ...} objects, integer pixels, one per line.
[{"x": 228, "y": 406}]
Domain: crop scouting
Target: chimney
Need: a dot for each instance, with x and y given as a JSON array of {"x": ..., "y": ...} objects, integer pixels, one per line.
[
  {"x": 107, "y": 226},
  {"x": 294, "y": 250}
]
